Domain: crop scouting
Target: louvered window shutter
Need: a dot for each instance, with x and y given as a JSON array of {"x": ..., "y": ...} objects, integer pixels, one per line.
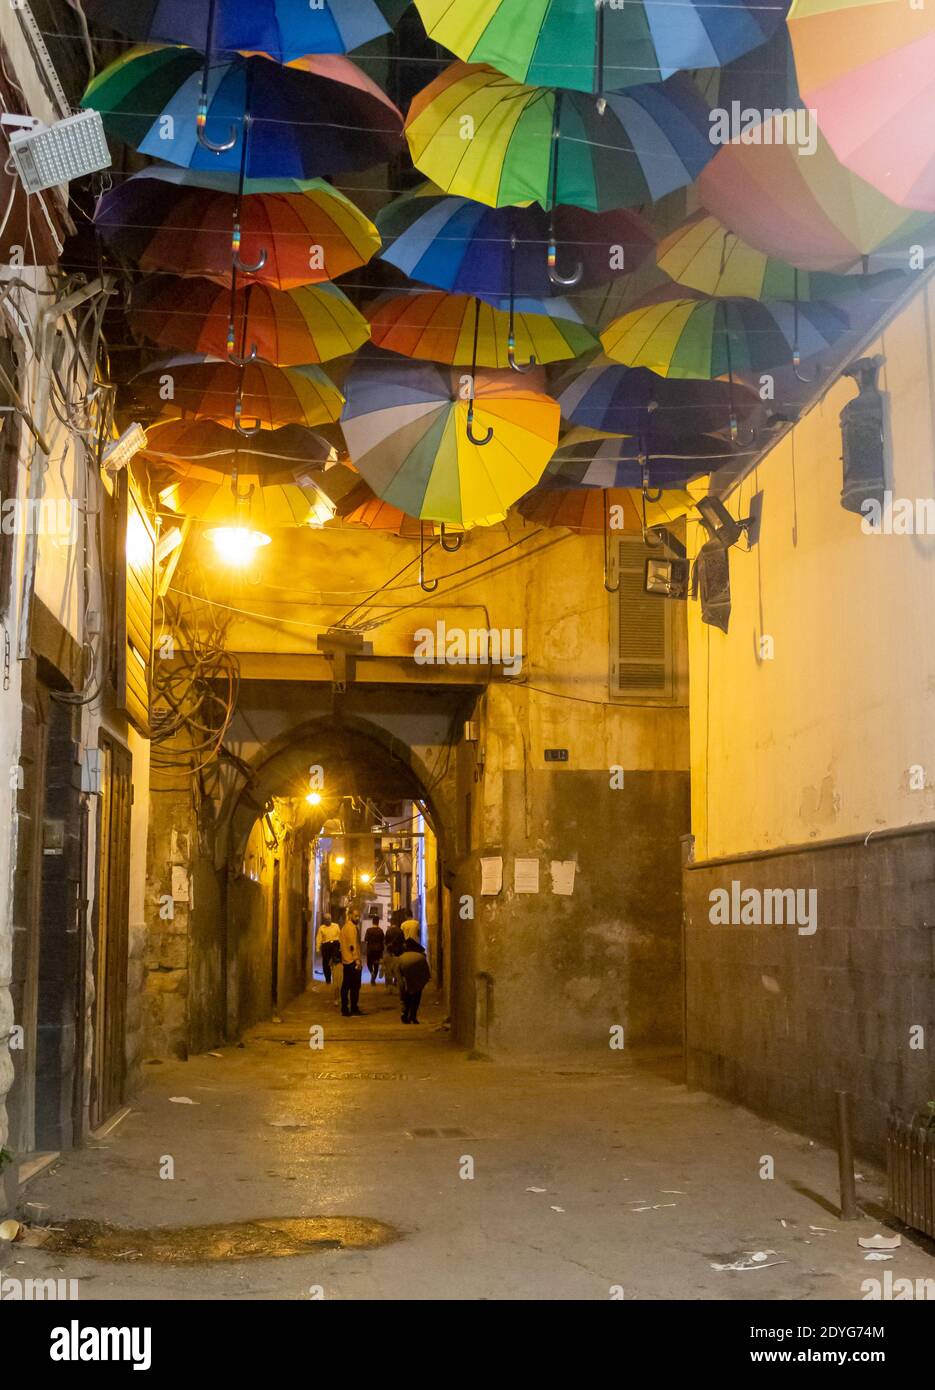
[{"x": 642, "y": 634}]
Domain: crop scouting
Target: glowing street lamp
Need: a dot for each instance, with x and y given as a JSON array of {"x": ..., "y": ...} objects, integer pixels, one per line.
[
  {"x": 314, "y": 798},
  {"x": 236, "y": 545}
]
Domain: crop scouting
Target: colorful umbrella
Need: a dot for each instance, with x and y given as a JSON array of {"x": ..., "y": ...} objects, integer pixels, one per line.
[
  {"x": 222, "y": 501},
  {"x": 589, "y": 509},
  {"x": 480, "y": 135},
  {"x": 465, "y": 247},
  {"x": 191, "y": 447},
  {"x": 295, "y": 232},
  {"x": 674, "y": 335},
  {"x": 807, "y": 210},
  {"x": 705, "y": 256},
  {"x": 761, "y": 80},
  {"x": 631, "y": 400},
  {"x": 869, "y": 71},
  {"x": 439, "y": 453},
  {"x": 441, "y": 328},
  {"x": 317, "y": 115},
  {"x": 591, "y": 459},
  {"x": 596, "y": 45},
  {"x": 284, "y": 29},
  {"x": 312, "y": 324},
  {"x": 208, "y": 389}
]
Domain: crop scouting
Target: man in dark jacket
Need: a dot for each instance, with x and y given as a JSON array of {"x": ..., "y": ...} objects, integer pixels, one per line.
[
  {"x": 373, "y": 946},
  {"x": 414, "y": 975}
]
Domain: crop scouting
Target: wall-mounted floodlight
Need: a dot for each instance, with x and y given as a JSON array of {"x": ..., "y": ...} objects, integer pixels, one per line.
[
  {"x": 719, "y": 523},
  {"x": 120, "y": 451},
  {"x": 49, "y": 155},
  {"x": 666, "y": 573}
]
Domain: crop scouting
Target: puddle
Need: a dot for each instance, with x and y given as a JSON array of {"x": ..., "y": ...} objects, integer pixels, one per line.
[{"x": 265, "y": 1239}]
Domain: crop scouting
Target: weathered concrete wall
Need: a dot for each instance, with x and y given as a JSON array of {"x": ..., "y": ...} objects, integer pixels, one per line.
[
  {"x": 779, "y": 1021},
  {"x": 829, "y": 737}
]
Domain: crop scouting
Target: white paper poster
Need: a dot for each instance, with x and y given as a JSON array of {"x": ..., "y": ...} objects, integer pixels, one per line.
[
  {"x": 563, "y": 877},
  {"x": 491, "y": 876},
  {"x": 526, "y": 875}
]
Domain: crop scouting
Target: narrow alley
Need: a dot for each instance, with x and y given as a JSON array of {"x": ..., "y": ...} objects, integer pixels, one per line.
[{"x": 592, "y": 1178}]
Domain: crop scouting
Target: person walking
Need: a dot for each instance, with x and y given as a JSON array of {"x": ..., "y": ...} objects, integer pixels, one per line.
[
  {"x": 393, "y": 950},
  {"x": 374, "y": 946},
  {"x": 328, "y": 945},
  {"x": 351, "y": 965},
  {"x": 414, "y": 975}
]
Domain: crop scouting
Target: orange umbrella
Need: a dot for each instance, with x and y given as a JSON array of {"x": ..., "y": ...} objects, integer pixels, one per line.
[{"x": 205, "y": 388}]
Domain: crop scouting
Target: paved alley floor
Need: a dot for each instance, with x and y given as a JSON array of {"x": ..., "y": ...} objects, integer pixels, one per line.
[{"x": 589, "y": 1176}]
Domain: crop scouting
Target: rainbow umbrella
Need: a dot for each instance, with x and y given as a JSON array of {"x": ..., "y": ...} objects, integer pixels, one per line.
[
  {"x": 588, "y": 509},
  {"x": 316, "y": 115},
  {"x": 458, "y": 329},
  {"x": 221, "y": 501},
  {"x": 465, "y": 247},
  {"x": 706, "y": 257},
  {"x": 615, "y": 399},
  {"x": 596, "y": 46},
  {"x": 169, "y": 219},
  {"x": 286, "y": 328},
  {"x": 592, "y": 459},
  {"x": 284, "y": 29},
  {"x": 868, "y": 68},
  {"x": 193, "y": 446},
  {"x": 674, "y": 335},
  {"x": 206, "y": 388},
  {"x": 807, "y": 210},
  {"x": 440, "y": 453},
  {"x": 478, "y": 134}
]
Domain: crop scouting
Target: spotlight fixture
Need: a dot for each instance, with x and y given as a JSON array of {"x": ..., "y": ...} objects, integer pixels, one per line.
[
  {"x": 667, "y": 573},
  {"x": 339, "y": 859},
  {"x": 46, "y": 156},
  {"x": 235, "y": 545},
  {"x": 119, "y": 452},
  {"x": 314, "y": 798},
  {"x": 863, "y": 441},
  {"x": 719, "y": 523}
]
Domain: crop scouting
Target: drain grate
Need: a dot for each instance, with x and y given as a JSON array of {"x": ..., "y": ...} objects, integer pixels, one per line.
[{"x": 359, "y": 1076}]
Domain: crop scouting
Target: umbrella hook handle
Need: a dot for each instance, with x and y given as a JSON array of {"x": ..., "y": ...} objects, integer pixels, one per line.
[
  {"x": 476, "y": 439},
  {"x": 428, "y": 586},
  {"x": 242, "y": 265},
  {"x": 240, "y": 427},
  {"x": 446, "y": 542},
  {"x": 610, "y": 588},
  {"x": 480, "y": 441},
  {"x": 511, "y": 358},
  {"x": 796, "y": 367},
  {"x": 244, "y": 361},
  {"x": 735, "y": 431},
  {"x": 511, "y": 338},
  {"x": 554, "y": 276},
  {"x": 202, "y": 119}
]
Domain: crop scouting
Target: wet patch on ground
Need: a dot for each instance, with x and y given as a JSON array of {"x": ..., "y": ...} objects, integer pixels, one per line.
[{"x": 268, "y": 1238}]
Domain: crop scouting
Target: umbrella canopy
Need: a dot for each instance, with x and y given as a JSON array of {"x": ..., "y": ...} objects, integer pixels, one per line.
[
  {"x": 704, "y": 255},
  {"x": 208, "y": 389},
  {"x": 632, "y": 400},
  {"x": 288, "y": 329},
  {"x": 169, "y": 219},
  {"x": 480, "y": 135},
  {"x": 704, "y": 338},
  {"x": 591, "y": 459},
  {"x": 807, "y": 210},
  {"x": 250, "y": 497},
  {"x": 284, "y": 29},
  {"x": 441, "y": 328},
  {"x": 869, "y": 71},
  {"x": 465, "y": 247},
  {"x": 193, "y": 447},
  {"x": 594, "y": 46},
  {"x": 589, "y": 509},
  {"x": 317, "y": 115},
  {"x": 407, "y": 429}
]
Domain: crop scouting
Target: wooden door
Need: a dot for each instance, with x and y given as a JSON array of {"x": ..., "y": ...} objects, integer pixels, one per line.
[{"x": 112, "y": 931}]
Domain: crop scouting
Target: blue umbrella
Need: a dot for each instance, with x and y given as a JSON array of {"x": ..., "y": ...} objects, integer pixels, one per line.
[
  {"x": 465, "y": 247},
  {"x": 590, "y": 459},
  {"x": 615, "y": 399},
  {"x": 284, "y": 29}
]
